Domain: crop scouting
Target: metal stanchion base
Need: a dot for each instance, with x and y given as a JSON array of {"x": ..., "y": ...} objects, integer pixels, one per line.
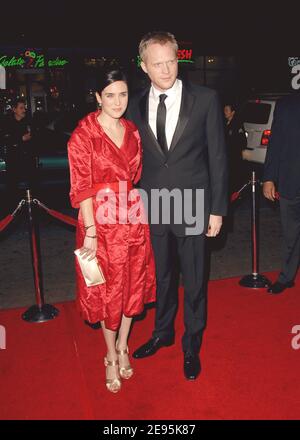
[
  {"x": 255, "y": 281},
  {"x": 43, "y": 314}
]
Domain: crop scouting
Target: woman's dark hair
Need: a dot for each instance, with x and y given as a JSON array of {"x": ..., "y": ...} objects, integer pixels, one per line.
[{"x": 107, "y": 77}]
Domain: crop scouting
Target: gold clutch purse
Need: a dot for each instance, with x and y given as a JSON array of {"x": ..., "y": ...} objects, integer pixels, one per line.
[{"x": 91, "y": 270}]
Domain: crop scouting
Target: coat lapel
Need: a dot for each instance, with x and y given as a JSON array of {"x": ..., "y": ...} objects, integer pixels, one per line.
[
  {"x": 187, "y": 102},
  {"x": 115, "y": 154},
  {"x": 144, "y": 110}
]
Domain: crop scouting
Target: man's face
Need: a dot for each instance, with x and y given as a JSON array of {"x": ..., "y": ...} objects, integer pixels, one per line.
[
  {"x": 161, "y": 65},
  {"x": 19, "y": 111},
  {"x": 228, "y": 112}
]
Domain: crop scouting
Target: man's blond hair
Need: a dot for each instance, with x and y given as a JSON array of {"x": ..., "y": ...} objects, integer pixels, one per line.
[{"x": 160, "y": 37}]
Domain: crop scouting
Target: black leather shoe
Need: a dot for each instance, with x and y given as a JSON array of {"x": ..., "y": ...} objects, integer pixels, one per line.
[
  {"x": 279, "y": 287},
  {"x": 93, "y": 325},
  {"x": 151, "y": 347},
  {"x": 191, "y": 365}
]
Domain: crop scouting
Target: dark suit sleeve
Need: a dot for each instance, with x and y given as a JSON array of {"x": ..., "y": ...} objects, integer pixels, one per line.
[
  {"x": 273, "y": 155},
  {"x": 12, "y": 133},
  {"x": 242, "y": 139},
  {"x": 217, "y": 158}
]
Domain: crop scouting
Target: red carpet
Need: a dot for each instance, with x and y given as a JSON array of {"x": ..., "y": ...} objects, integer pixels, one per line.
[{"x": 55, "y": 370}]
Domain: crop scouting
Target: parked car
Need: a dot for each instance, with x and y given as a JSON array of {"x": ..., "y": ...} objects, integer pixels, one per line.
[{"x": 257, "y": 115}]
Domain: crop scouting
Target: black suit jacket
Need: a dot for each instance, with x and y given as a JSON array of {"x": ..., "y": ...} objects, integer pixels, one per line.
[
  {"x": 197, "y": 155},
  {"x": 282, "y": 164}
]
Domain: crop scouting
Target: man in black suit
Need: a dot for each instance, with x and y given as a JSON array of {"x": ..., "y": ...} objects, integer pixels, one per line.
[
  {"x": 181, "y": 127},
  {"x": 282, "y": 168}
]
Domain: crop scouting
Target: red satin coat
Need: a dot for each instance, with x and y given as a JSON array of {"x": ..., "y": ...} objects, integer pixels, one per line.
[{"x": 124, "y": 250}]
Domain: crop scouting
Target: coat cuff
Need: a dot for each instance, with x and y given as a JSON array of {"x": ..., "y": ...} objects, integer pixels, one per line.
[{"x": 82, "y": 195}]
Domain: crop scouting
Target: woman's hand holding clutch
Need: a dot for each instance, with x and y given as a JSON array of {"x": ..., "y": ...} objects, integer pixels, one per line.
[
  {"x": 89, "y": 248},
  {"x": 89, "y": 265}
]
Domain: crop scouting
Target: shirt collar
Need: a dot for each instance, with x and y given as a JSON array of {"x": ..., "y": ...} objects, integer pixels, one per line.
[{"x": 169, "y": 92}]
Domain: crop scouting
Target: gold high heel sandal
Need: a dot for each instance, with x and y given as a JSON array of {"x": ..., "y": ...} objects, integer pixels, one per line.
[
  {"x": 113, "y": 385},
  {"x": 127, "y": 371}
]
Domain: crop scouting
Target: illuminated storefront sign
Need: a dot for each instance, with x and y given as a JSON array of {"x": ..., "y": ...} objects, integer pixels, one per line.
[
  {"x": 30, "y": 59},
  {"x": 184, "y": 56}
]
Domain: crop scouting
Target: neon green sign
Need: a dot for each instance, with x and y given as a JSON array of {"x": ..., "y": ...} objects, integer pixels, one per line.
[{"x": 30, "y": 59}]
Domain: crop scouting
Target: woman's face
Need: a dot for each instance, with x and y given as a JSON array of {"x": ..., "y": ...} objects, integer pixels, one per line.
[{"x": 114, "y": 99}]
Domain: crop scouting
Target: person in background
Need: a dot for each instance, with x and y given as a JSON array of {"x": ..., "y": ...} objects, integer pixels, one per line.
[
  {"x": 20, "y": 159},
  {"x": 236, "y": 141},
  {"x": 282, "y": 170}
]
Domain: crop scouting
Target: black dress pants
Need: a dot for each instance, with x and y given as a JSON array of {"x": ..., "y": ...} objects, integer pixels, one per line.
[
  {"x": 189, "y": 252},
  {"x": 290, "y": 221}
]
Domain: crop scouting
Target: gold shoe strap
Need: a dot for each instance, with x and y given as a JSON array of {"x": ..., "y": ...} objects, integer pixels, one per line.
[
  {"x": 108, "y": 363},
  {"x": 113, "y": 381},
  {"x": 122, "y": 352},
  {"x": 127, "y": 368}
]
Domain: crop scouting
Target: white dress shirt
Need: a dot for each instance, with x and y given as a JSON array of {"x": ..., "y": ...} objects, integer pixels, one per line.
[{"x": 172, "y": 102}]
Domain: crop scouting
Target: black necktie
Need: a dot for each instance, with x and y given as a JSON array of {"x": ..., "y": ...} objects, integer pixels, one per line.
[{"x": 161, "y": 123}]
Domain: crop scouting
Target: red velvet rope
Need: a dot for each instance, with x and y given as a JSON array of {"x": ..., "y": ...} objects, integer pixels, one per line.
[
  {"x": 64, "y": 218},
  {"x": 5, "y": 222},
  {"x": 234, "y": 196},
  {"x": 73, "y": 222}
]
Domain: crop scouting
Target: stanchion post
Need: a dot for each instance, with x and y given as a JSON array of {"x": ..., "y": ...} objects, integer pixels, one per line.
[
  {"x": 40, "y": 312},
  {"x": 254, "y": 280}
]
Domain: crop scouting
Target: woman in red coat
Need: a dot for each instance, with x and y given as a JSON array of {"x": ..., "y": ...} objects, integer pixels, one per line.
[{"x": 105, "y": 158}]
